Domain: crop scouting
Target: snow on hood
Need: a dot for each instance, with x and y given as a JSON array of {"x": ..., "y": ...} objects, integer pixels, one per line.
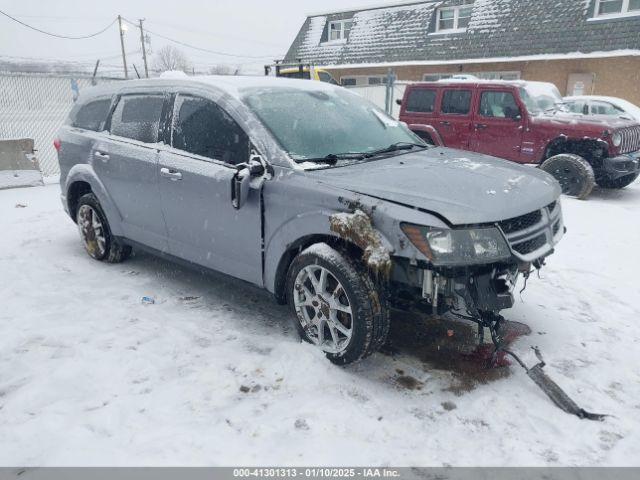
[{"x": 463, "y": 187}]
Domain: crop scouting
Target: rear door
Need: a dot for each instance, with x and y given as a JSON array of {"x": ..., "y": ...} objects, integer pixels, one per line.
[
  {"x": 196, "y": 175},
  {"x": 126, "y": 163},
  {"x": 498, "y": 124},
  {"x": 455, "y": 119}
]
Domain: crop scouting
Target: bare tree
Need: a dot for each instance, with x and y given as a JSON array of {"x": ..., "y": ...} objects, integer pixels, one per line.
[
  {"x": 224, "y": 69},
  {"x": 170, "y": 58}
]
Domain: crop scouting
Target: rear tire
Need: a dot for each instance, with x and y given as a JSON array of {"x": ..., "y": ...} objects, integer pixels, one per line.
[
  {"x": 95, "y": 232},
  {"x": 573, "y": 172},
  {"x": 331, "y": 293},
  {"x": 617, "y": 183}
]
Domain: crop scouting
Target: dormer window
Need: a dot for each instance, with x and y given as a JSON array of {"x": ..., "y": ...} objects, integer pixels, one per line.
[
  {"x": 339, "y": 30},
  {"x": 617, "y": 8},
  {"x": 455, "y": 18}
]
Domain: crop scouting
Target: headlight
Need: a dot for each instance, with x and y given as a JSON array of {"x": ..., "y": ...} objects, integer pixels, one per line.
[
  {"x": 458, "y": 247},
  {"x": 616, "y": 139}
]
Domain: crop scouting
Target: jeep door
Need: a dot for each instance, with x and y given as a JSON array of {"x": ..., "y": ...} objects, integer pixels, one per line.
[
  {"x": 498, "y": 124},
  {"x": 455, "y": 118},
  {"x": 196, "y": 173},
  {"x": 126, "y": 163}
]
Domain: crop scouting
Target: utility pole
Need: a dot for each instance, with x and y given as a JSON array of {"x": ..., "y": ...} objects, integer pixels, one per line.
[
  {"x": 124, "y": 55},
  {"x": 144, "y": 49}
]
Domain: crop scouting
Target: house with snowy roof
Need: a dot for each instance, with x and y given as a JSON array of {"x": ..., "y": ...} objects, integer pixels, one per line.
[{"x": 583, "y": 46}]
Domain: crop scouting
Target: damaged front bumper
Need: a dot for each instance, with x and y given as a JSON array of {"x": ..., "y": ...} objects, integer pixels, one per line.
[{"x": 622, "y": 165}]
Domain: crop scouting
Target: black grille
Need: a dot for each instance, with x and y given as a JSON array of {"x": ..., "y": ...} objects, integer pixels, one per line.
[
  {"x": 630, "y": 139},
  {"x": 530, "y": 245},
  {"x": 520, "y": 223},
  {"x": 556, "y": 227}
]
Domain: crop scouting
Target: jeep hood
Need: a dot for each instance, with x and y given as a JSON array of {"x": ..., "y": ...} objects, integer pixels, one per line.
[
  {"x": 463, "y": 187},
  {"x": 589, "y": 123}
]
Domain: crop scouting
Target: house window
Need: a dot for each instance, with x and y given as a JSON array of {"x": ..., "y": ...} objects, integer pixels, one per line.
[
  {"x": 339, "y": 30},
  {"x": 607, "y": 8},
  {"x": 362, "y": 80},
  {"x": 454, "y": 18},
  {"x": 434, "y": 77}
]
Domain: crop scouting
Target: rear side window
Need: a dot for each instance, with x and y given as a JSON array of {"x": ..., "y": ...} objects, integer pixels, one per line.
[
  {"x": 456, "y": 102},
  {"x": 203, "y": 128},
  {"x": 138, "y": 117},
  {"x": 421, "y": 100},
  {"x": 92, "y": 115}
]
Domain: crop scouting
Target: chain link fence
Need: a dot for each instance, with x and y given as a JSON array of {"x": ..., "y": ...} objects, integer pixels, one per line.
[{"x": 34, "y": 105}]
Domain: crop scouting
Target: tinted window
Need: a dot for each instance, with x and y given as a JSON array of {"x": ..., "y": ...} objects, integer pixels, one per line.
[
  {"x": 93, "y": 115},
  {"x": 138, "y": 117},
  {"x": 327, "y": 78},
  {"x": 498, "y": 105},
  {"x": 201, "y": 127},
  {"x": 456, "y": 101},
  {"x": 421, "y": 100}
]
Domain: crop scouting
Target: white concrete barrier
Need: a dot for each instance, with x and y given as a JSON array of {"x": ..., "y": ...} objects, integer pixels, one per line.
[{"x": 18, "y": 164}]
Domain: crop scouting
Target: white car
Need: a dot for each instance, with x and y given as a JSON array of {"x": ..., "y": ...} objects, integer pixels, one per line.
[{"x": 597, "y": 105}]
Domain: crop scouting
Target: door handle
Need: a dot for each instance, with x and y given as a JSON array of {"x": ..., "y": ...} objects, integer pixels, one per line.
[
  {"x": 446, "y": 124},
  {"x": 101, "y": 155},
  {"x": 480, "y": 126},
  {"x": 170, "y": 173}
]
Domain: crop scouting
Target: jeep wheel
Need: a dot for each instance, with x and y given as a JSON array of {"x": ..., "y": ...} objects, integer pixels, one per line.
[
  {"x": 336, "y": 304},
  {"x": 95, "y": 233},
  {"x": 621, "y": 182},
  {"x": 573, "y": 172}
]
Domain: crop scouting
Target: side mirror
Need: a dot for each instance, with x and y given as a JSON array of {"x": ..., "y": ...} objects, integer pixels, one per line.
[
  {"x": 241, "y": 183},
  {"x": 399, "y": 101}
]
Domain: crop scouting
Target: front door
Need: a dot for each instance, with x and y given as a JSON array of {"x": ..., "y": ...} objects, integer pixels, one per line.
[
  {"x": 498, "y": 125},
  {"x": 195, "y": 176},
  {"x": 126, "y": 162},
  {"x": 454, "y": 120}
]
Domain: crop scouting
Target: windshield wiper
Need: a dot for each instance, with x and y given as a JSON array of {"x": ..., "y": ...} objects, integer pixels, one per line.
[
  {"x": 394, "y": 148},
  {"x": 333, "y": 158}
]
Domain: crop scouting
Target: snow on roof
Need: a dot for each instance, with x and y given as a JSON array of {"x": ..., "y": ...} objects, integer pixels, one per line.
[{"x": 498, "y": 29}]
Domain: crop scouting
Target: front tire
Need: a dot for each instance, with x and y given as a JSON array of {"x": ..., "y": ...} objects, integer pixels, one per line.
[
  {"x": 573, "y": 172},
  {"x": 617, "y": 183},
  {"x": 337, "y": 305},
  {"x": 95, "y": 232}
]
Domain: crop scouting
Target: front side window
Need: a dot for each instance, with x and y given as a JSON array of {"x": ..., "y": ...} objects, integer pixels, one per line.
[
  {"x": 540, "y": 97},
  {"x": 616, "y": 7},
  {"x": 454, "y": 18},
  {"x": 421, "y": 100},
  {"x": 499, "y": 105},
  {"x": 138, "y": 117},
  {"x": 340, "y": 29},
  {"x": 92, "y": 115},
  {"x": 456, "y": 102},
  {"x": 604, "y": 108},
  {"x": 311, "y": 124},
  {"x": 203, "y": 128}
]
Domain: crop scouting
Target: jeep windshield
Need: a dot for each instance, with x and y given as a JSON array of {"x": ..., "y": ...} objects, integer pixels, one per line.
[
  {"x": 541, "y": 97},
  {"x": 327, "y": 126}
]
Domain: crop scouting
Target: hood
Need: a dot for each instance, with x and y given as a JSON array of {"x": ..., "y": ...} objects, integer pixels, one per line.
[
  {"x": 463, "y": 187},
  {"x": 579, "y": 122}
]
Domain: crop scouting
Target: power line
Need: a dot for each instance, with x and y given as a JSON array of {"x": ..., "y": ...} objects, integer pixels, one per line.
[
  {"x": 55, "y": 34},
  {"x": 224, "y": 54}
]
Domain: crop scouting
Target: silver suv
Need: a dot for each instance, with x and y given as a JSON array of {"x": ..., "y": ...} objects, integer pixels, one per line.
[{"x": 309, "y": 191}]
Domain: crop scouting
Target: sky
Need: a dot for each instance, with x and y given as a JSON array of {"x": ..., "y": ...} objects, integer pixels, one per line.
[{"x": 246, "y": 28}]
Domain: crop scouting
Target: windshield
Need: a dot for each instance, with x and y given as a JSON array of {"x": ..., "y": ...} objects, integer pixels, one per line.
[
  {"x": 314, "y": 124},
  {"x": 540, "y": 96}
]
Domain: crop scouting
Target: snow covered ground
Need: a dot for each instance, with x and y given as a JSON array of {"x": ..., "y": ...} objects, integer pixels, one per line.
[{"x": 89, "y": 375}]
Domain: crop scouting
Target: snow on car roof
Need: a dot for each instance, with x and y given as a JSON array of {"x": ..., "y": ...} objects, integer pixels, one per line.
[{"x": 231, "y": 84}]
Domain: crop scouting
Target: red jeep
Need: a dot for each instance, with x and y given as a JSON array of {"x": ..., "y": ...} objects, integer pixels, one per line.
[{"x": 525, "y": 122}]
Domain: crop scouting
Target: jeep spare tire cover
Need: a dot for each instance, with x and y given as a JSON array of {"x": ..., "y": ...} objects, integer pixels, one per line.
[{"x": 573, "y": 172}]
